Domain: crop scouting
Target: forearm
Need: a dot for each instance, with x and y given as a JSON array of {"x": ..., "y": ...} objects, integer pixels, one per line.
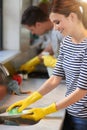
[
  {"x": 71, "y": 99},
  {"x": 49, "y": 85},
  {"x": 49, "y": 49}
]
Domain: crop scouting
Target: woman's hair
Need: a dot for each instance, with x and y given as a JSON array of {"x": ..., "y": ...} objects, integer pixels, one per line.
[
  {"x": 45, "y": 7},
  {"x": 65, "y": 7}
]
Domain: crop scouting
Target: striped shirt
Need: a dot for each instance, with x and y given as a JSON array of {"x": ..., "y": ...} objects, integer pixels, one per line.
[{"x": 72, "y": 63}]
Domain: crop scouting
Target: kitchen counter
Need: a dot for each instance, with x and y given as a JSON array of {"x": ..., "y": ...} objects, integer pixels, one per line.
[
  {"x": 7, "y": 55},
  {"x": 52, "y": 121}
]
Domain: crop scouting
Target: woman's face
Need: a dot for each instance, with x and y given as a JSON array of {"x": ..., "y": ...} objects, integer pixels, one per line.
[{"x": 62, "y": 23}]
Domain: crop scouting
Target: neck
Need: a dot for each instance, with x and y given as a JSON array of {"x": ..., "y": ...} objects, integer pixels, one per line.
[{"x": 80, "y": 35}]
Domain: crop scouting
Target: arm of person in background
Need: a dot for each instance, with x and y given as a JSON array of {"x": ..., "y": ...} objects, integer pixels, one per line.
[
  {"x": 47, "y": 57},
  {"x": 30, "y": 65},
  {"x": 47, "y": 51},
  {"x": 49, "y": 61}
]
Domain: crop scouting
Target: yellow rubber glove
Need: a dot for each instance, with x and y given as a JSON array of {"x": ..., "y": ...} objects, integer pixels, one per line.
[
  {"x": 22, "y": 104},
  {"x": 29, "y": 66},
  {"x": 39, "y": 113},
  {"x": 49, "y": 61}
]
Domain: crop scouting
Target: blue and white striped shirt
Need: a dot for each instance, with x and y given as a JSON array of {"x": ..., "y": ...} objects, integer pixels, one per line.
[{"x": 72, "y": 63}]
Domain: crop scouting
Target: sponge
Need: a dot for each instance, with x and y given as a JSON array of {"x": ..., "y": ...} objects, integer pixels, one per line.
[{"x": 14, "y": 111}]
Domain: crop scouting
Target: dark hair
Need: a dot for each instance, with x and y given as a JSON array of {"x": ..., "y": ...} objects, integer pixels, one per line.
[
  {"x": 32, "y": 15},
  {"x": 65, "y": 7}
]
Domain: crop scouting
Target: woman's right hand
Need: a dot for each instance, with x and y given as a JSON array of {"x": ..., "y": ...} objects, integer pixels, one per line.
[{"x": 22, "y": 104}]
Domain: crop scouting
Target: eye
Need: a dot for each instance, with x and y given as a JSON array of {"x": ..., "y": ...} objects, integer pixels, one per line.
[{"x": 57, "y": 22}]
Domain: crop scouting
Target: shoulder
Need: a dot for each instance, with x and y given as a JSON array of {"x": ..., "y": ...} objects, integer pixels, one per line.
[
  {"x": 66, "y": 40},
  {"x": 85, "y": 46}
]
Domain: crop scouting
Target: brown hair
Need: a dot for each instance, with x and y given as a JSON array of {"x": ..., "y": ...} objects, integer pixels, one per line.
[
  {"x": 45, "y": 7},
  {"x": 65, "y": 7}
]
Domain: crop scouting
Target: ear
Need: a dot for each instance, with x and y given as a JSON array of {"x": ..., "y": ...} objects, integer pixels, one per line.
[{"x": 72, "y": 16}]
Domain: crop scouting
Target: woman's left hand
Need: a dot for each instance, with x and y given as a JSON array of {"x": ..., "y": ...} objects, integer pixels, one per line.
[{"x": 38, "y": 113}]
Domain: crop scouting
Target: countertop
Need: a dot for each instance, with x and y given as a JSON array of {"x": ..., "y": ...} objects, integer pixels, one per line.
[{"x": 52, "y": 121}]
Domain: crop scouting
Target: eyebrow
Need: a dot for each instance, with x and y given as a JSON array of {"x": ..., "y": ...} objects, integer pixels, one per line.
[{"x": 55, "y": 21}]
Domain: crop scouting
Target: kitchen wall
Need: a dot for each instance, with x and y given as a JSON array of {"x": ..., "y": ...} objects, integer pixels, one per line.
[
  {"x": 11, "y": 24},
  {"x": 15, "y": 36}
]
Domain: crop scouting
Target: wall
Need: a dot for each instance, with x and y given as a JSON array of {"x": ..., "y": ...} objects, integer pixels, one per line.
[{"x": 11, "y": 24}]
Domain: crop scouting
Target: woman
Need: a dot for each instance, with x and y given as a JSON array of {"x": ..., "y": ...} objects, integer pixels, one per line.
[{"x": 69, "y": 17}]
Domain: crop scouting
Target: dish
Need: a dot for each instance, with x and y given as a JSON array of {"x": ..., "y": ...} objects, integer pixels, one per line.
[{"x": 15, "y": 115}]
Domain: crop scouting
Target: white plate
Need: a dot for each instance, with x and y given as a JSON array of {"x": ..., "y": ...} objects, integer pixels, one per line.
[{"x": 6, "y": 114}]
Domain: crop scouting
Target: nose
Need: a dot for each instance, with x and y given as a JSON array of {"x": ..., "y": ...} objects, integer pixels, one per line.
[{"x": 56, "y": 27}]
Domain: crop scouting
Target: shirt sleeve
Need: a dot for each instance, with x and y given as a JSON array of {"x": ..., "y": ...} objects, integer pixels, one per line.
[
  {"x": 58, "y": 70},
  {"x": 82, "y": 80}
]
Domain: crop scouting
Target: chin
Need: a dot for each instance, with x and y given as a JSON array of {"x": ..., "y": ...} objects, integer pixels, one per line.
[{"x": 65, "y": 34}]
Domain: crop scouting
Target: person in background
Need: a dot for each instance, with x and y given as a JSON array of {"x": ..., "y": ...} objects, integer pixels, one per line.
[
  {"x": 70, "y": 18},
  {"x": 38, "y": 22}
]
